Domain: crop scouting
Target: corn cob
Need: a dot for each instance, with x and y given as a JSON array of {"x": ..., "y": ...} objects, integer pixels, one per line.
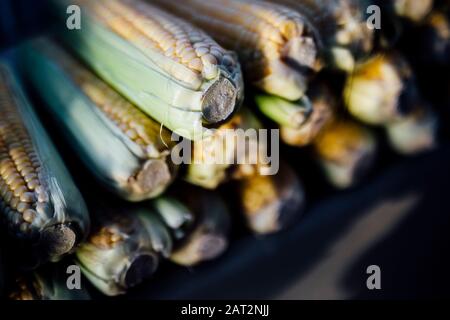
[
  {"x": 39, "y": 202},
  {"x": 414, "y": 10},
  {"x": 271, "y": 203},
  {"x": 285, "y": 113},
  {"x": 122, "y": 147},
  {"x": 414, "y": 134},
  {"x": 171, "y": 70},
  {"x": 346, "y": 151},
  {"x": 231, "y": 152},
  {"x": 206, "y": 237},
  {"x": 381, "y": 90},
  {"x": 177, "y": 217},
  {"x": 431, "y": 40},
  {"x": 49, "y": 283},
  {"x": 341, "y": 24},
  {"x": 276, "y": 46},
  {"x": 324, "y": 106},
  {"x": 124, "y": 248}
]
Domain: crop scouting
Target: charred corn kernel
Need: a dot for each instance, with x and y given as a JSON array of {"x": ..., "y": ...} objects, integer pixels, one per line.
[
  {"x": 381, "y": 89},
  {"x": 125, "y": 149},
  {"x": 341, "y": 24},
  {"x": 39, "y": 202},
  {"x": 47, "y": 283},
  {"x": 271, "y": 203},
  {"x": 346, "y": 151},
  {"x": 324, "y": 106},
  {"x": 275, "y": 44},
  {"x": 207, "y": 236},
  {"x": 415, "y": 133},
  {"x": 171, "y": 70},
  {"x": 125, "y": 246}
]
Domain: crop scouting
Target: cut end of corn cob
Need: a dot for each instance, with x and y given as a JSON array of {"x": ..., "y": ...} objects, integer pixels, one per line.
[
  {"x": 203, "y": 246},
  {"x": 208, "y": 235},
  {"x": 375, "y": 92},
  {"x": 340, "y": 25},
  {"x": 141, "y": 268},
  {"x": 414, "y": 134},
  {"x": 346, "y": 151},
  {"x": 272, "y": 203},
  {"x": 323, "y": 108},
  {"x": 151, "y": 180},
  {"x": 415, "y": 10},
  {"x": 220, "y": 101},
  {"x": 58, "y": 240},
  {"x": 285, "y": 113},
  {"x": 125, "y": 246}
]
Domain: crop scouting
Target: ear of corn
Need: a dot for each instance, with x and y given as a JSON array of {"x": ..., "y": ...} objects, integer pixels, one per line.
[
  {"x": 285, "y": 113},
  {"x": 169, "y": 69},
  {"x": 175, "y": 215},
  {"x": 48, "y": 283},
  {"x": 213, "y": 156},
  {"x": 207, "y": 236},
  {"x": 234, "y": 150},
  {"x": 271, "y": 203},
  {"x": 414, "y": 10},
  {"x": 324, "y": 106},
  {"x": 381, "y": 89},
  {"x": 275, "y": 44},
  {"x": 342, "y": 25},
  {"x": 346, "y": 151},
  {"x": 39, "y": 202},
  {"x": 124, "y": 248},
  {"x": 125, "y": 149},
  {"x": 431, "y": 40},
  {"x": 415, "y": 133}
]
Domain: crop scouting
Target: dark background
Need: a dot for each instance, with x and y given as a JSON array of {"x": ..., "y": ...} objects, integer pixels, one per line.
[{"x": 398, "y": 219}]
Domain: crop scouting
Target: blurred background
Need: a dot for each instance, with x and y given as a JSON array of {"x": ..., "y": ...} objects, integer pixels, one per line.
[{"x": 397, "y": 217}]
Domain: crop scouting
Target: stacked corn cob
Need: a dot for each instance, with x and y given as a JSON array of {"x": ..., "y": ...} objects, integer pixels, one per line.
[
  {"x": 277, "y": 47},
  {"x": 128, "y": 151},
  {"x": 342, "y": 24},
  {"x": 172, "y": 71},
  {"x": 39, "y": 203},
  {"x": 135, "y": 72}
]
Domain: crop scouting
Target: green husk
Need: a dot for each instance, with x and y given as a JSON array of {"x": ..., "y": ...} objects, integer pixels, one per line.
[
  {"x": 138, "y": 77},
  {"x": 117, "y": 161},
  {"x": 124, "y": 248},
  {"x": 285, "y": 113},
  {"x": 62, "y": 221},
  {"x": 206, "y": 237}
]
